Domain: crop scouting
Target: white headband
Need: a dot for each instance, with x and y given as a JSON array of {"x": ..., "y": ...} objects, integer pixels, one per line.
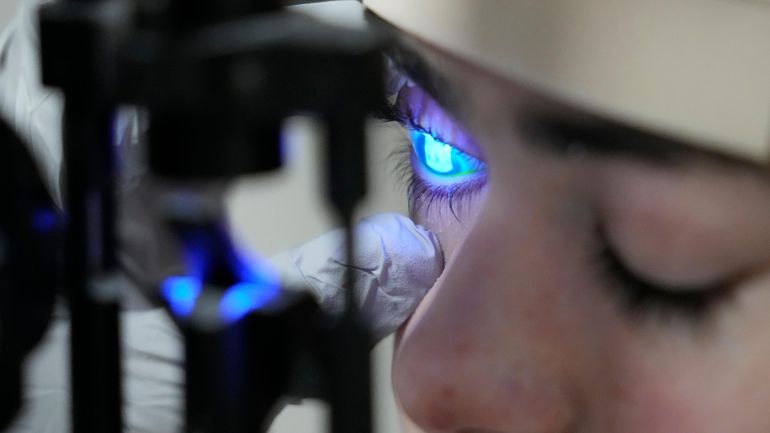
[{"x": 697, "y": 70}]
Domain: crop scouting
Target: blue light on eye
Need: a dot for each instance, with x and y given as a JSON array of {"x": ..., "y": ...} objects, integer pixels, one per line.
[
  {"x": 438, "y": 155},
  {"x": 441, "y": 158},
  {"x": 181, "y": 294}
]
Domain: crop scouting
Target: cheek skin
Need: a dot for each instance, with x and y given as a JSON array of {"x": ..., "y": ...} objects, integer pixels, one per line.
[
  {"x": 675, "y": 378},
  {"x": 448, "y": 232},
  {"x": 462, "y": 362},
  {"x": 451, "y": 229}
]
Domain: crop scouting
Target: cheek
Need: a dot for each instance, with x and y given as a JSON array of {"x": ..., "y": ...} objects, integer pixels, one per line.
[
  {"x": 683, "y": 390},
  {"x": 449, "y": 233},
  {"x": 451, "y": 227},
  {"x": 671, "y": 376}
]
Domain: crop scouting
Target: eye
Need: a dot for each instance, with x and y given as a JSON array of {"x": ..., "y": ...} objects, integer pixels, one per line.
[
  {"x": 641, "y": 298},
  {"x": 440, "y": 175},
  {"x": 443, "y": 160},
  {"x": 435, "y": 162}
]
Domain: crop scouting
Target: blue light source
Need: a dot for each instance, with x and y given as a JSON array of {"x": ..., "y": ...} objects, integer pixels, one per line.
[
  {"x": 197, "y": 256},
  {"x": 44, "y": 220},
  {"x": 181, "y": 294},
  {"x": 236, "y": 281},
  {"x": 243, "y": 298},
  {"x": 259, "y": 284}
]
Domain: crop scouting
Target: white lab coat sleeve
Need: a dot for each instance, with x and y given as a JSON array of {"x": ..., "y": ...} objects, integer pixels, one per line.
[
  {"x": 33, "y": 110},
  {"x": 152, "y": 378}
]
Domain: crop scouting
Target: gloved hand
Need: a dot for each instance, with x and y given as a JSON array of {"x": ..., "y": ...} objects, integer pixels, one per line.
[{"x": 396, "y": 263}]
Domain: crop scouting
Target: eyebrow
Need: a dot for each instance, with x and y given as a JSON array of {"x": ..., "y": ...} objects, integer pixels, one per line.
[
  {"x": 561, "y": 135},
  {"x": 550, "y": 130}
]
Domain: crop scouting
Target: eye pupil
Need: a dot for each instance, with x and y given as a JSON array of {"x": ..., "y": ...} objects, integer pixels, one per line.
[
  {"x": 443, "y": 160},
  {"x": 438, "y": 155}
]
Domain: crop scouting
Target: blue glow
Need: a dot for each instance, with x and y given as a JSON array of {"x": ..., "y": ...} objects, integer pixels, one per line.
[
  {"x": 213, "y": 264},
  {"x": 181, "y": 294},
  {"x": 256, "y": 270},
  {"x": 438, "y": 155},
  {"x": 259, "y": 285},
  {"x": 443, "y": 159},
  {"x": 243, "y": 298},
  {"x": 45, "y": 220}
]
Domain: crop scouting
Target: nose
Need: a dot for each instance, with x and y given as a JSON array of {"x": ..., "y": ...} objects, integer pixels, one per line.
[{"x": 480, "y": 355}]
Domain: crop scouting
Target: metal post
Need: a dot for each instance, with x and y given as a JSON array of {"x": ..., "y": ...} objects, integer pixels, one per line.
[{"x": 79, "y": 40}]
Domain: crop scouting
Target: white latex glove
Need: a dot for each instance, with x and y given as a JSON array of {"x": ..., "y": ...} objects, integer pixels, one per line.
[{"x": 396, "y": 263}]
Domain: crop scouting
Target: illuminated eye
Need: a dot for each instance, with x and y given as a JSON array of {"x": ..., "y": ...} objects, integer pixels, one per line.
[{"x": 442, "y": 159}]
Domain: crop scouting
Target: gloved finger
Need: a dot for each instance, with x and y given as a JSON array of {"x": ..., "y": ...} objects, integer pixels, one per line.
[{"x": 396, "y": 263}]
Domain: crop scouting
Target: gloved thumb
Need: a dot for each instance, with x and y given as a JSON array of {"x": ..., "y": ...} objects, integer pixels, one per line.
[{"x": 396, "y": 263}]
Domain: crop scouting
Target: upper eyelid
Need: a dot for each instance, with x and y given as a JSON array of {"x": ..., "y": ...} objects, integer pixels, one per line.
[
  {"x": 410, "y": 123},
  {"x": 403, "y": 113},
  {"x": 415, "y": 68},
  {"x": 481, "y": 164},
  {"x": 396, "y": 113}
]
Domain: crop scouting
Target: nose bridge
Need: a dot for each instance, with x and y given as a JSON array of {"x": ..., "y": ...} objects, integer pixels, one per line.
[{"x": 471, "y": 359}]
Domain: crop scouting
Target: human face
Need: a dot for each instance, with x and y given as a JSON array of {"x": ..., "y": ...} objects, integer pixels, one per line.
[{"x": 598, "y": 279}]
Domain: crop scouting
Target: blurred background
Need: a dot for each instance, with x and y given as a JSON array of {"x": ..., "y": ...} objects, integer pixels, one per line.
[
  {"x": 277, "y": 211},
  {"x": 280, "y": 210},
  {"x": 6, "y": 11}
]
